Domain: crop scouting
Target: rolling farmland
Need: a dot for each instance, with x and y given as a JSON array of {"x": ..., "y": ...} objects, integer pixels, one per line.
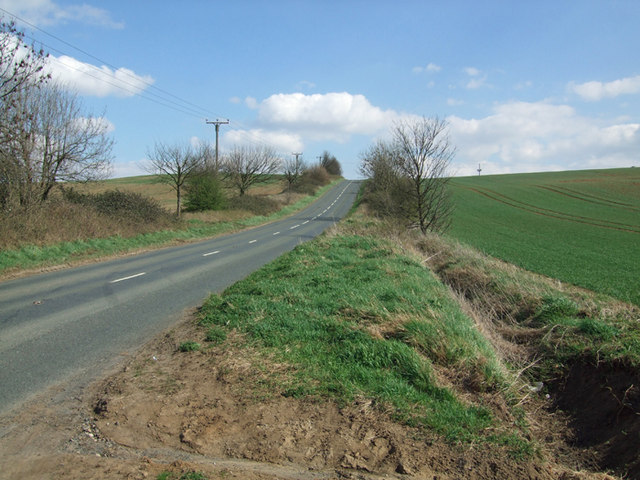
[{"x": 581, "y": 227}]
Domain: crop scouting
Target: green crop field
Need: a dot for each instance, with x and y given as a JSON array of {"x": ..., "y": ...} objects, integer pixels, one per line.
[{"x": 581, "y": 227}]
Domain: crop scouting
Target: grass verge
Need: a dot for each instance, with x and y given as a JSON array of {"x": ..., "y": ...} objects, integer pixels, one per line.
[
  {"x": 34, "y": 256},
  {"x": 568, "y": 323},
  {"x": 355, "y": 318}
]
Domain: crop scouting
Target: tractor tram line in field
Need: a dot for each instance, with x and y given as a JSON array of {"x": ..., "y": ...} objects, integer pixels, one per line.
[
  {"x": 552, "y": 213},
  {"x": 584, "y": 233},
  {"x": 586, "y": 197}
]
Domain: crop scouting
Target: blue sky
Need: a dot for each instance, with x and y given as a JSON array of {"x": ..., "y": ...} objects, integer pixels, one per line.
[{"x": 525, "y": 85}]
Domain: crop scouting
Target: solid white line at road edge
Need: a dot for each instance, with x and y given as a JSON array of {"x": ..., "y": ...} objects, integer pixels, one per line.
[{"x": 128, "y": 278}]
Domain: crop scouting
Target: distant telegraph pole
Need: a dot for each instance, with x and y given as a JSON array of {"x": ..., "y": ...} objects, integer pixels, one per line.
[
  {"x": 297, "y": 154},
  {"x": 297, "y": 167},
  {"x": 479, "y": 169},
  {"x": 217, "y": 123}
]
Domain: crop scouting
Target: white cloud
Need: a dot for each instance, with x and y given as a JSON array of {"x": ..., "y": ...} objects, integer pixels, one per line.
[
  {"x": 453, "y": 102},
  {"x": 330, "y": 116},
  {"x": 280, "y": 140},
  {"x": 476, "y": 83},
  {"x": 472, "y": 71},
  {"x": 251, "y": 102},
  {"x": 523, "y": 137},
  {"x": 288, "y": 122},
  {"x": 430, "y": 68},
  {"x": 47, "y": 12},
  {"x": 102, "y": 81},
  {"x": 305, "y": 85},
  {"x": 594, "y": 91},
  {"x": 477, "y": 80},
  {"x": 523, "y": 85}
]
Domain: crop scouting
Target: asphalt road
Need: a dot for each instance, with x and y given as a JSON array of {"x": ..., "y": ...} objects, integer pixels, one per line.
[{"x": 76, "y": 323}]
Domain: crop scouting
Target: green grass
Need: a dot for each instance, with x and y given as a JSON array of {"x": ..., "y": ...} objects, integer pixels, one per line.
[
  {"x": 185, "y": 476},
  {"x": 571, "y": 324},
  {"x": 189, "y": 346},
  {"x": 31, "y": 256},
  {"x": 354, "y": 318},
  {"x": 579, "y": 227}
]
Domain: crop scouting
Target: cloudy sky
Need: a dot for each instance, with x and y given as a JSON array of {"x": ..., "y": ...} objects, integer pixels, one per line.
[{"x": 525, "y": 85}]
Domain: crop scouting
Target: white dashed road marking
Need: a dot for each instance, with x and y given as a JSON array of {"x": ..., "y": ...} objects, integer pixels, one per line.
[{"x": 128, "y": 278}]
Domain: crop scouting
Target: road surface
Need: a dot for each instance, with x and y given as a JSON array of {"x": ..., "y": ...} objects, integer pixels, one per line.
[{"x": 75, "y": 323}]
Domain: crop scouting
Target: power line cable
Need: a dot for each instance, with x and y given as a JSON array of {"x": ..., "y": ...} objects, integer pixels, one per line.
[
  {"x": 102, "y": 77},
  {"x": 185, "y": 106},
  {"x": 150, "y": 85}
]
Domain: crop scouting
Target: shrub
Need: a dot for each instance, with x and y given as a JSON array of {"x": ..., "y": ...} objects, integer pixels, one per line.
[
  {"x": 204, "y": 192},
  {"x": 116, "y": 203},
  {"x": 256, "y": 205},
  {"x": 331, "y": 164},
  {"x": 316, "y": 176},
  {"x": 311, "y": 179}
]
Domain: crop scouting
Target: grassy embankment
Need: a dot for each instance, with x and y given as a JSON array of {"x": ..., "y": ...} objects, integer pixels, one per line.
[
  {"x": 91, "y": 235},
  {"x": 579, "y": 227},
  {"x": 356, "y": 313},
  {"x": 354, "y": 317}
]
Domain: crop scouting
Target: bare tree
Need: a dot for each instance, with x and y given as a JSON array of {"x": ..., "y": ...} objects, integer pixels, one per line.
[
  {"x": 174, "y": 164},
  {"x": 45, "y": 137},
  {"x": 377, "y": 164},
  {"x": 53, "y": 141},
  {"x": 72, "y": 146},
  {"x": 292, "y": 168},
  {"x": 384, "y": 189},
  {"x": 20, "y": 65},
  {"x": 422, "y": 154},
  {"x": 408, "y": 176},
  {"x": 246, "y": 166}
]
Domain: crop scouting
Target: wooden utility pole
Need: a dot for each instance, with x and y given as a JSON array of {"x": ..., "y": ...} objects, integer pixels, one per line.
[
  {"x": 297, "y": 154},
  {"x": 217, "y": 123}
]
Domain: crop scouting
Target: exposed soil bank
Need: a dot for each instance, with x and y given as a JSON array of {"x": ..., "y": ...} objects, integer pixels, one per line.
[{"x": 604, "y": 404}]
